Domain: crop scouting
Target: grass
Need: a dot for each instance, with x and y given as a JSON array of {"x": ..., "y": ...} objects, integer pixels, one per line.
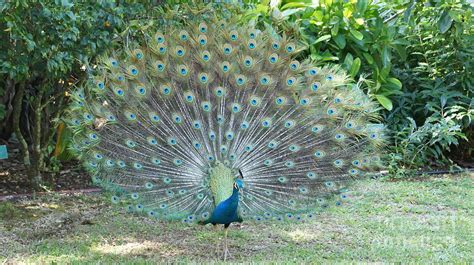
[{"x": 405, "y": 221}]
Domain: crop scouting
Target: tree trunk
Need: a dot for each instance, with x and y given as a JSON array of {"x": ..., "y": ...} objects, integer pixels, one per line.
[
  {"x": 17, "y": 109},
  {"x": 37, "y": 154}
]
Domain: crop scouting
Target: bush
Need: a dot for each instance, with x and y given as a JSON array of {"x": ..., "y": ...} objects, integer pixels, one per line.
[
  {"x": 425, "y": 45},
  {"x": 350, "y": 33},
  {"x": 436, "y": 108},
  {"x": 45, "y": 47}
]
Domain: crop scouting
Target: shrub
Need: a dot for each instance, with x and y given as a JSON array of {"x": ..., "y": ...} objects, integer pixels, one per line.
[
  {"x": 436, "y": 108},
  {"x": 424, "y": 45},
  {"x": 43, "y": 45},
  {"x": 351, "y": 33}
]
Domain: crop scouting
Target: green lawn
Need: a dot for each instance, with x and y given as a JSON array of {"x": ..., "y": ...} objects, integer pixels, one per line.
[{"x": 416, "y": 221}]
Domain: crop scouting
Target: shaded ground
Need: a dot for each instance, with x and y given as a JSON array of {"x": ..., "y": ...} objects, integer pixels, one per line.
[
  {"x": 13, "y": 178},
  {"x": 429, "y": 221}
]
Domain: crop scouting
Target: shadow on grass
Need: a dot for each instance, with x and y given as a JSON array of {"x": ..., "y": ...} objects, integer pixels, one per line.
[{"x": 384, "y": 222}]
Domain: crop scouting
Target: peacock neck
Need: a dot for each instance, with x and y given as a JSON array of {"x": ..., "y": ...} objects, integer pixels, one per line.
[
  {"x": 233, "y": 200},
  {"x": 235, "y": 194}
]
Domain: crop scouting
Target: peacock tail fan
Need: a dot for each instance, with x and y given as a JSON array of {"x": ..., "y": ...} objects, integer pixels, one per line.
[{"x": 166, "y": 125}]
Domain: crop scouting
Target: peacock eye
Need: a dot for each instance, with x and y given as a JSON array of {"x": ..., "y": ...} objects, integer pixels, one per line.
[{"x": 160, "y": 119}]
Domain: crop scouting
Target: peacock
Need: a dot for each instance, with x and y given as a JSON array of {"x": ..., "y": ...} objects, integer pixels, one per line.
[{"x": 215, "y": 122}]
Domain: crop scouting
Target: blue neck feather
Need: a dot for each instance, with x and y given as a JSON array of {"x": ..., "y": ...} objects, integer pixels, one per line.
[{"x": 226, "y": 211}]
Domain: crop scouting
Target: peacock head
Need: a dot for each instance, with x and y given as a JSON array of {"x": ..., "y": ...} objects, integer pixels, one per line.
[{"x": 239, "y": 182}]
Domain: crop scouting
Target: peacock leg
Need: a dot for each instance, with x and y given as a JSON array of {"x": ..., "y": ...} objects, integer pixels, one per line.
[
  {"x": 226, "y": 249},
  {"x": 216, "y": 231}
]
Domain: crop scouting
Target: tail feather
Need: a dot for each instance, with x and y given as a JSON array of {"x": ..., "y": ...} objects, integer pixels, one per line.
[{"x": 156, "y": 118}]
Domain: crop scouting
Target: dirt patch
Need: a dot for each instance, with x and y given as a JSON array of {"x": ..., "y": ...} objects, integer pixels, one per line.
[{"x": 14, "y": 179}]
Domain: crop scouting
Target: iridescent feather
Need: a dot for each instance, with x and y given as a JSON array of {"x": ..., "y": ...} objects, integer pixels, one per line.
[{"x": 167, "y": 124}]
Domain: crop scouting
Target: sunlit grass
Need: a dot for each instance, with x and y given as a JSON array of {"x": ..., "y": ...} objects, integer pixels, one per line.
[{"x": 420, "y": 221}]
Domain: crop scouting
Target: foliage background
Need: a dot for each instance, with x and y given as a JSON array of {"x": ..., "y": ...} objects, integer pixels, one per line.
[
  {"x": 435, "y": 110},
  {"x": 414, "y": 58},
  {"x": 351, "y": 33},
  {"x": 46, "y": 46}
]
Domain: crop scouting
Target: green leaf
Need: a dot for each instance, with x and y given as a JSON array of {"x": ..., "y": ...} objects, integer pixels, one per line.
[
  {"x": 384, "y": 101},
  {"x": 335, "y": 29},
  {"x": 408, "y": 12},
  {"x": 334, "y": 20},
  {"x": 401, "y": 50},
  {"x": 384, "y": 74},
  {"x": 289, "y": 12},
  {"x": 30, "y": 45},
  {"x": 445, "y": 22},
  {"x": 395, "y": 83},
  {"x": 340, "y": 41},
  {"x": 66, "y": 3},
  {"x": 443, "y": 101},
  {"x": 294, "y": 5},
  {"x": 349, "y": 59},
  {"x": 355, "y": 67},
  {"x": 322, "y": 38},
  {"x": 368, "y": 57},
  {"x": 361, "y": 6},
  {"x": 326, "y": 56},
  {"x": 386, "y": 56},
  {"x": 357, "y": 34},
  {"x": 388, "y": 91},
  {"x": 401, "y": 42},
  {"x": 318, "y": 15}
]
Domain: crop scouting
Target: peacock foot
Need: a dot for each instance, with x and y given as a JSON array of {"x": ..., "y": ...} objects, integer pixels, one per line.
[{"x": 227, "y": 254}]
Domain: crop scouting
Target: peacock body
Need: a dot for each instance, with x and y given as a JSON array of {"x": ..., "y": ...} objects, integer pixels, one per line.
[{"x": 168, "y": 122}]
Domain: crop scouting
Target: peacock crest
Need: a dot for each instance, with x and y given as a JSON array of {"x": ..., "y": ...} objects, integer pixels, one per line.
[{"x": 168, "y": 122}]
